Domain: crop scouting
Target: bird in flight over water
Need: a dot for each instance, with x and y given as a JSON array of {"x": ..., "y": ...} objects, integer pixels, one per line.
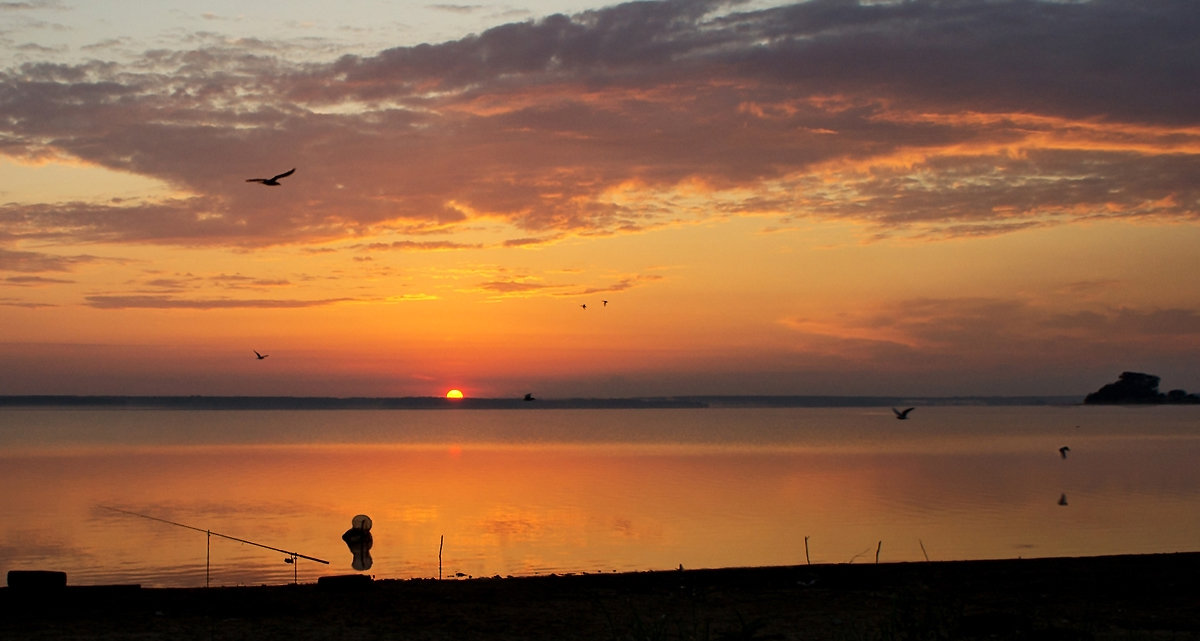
[
  {"x": 1063, "y": 450},
  {"x": 260, "y": 356},
  {"x": 273, "y": 180},
  {"x": 902, "y": 415}
]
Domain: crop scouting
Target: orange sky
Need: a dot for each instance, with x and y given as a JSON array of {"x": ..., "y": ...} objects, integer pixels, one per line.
[{"x": 806, "y": 198}]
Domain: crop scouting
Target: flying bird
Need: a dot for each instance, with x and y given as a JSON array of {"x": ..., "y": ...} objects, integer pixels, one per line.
[
  {"x": 584, "y": 306},
  {"x": 260, "y": 356},
  {"x": 273, "y": 180},
  {"x": 1063, "y": 451},
  {"x": 902, "y": 415},
  {"x": 605, "y": 303}
]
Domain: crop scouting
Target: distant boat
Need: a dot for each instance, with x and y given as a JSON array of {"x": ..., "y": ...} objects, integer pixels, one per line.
[
  {"x": 902, "y": 415},
  {"x": 529, "y": 397}
]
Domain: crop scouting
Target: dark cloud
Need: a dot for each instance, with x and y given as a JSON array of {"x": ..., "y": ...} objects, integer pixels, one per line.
[
  {"x": 24, "y": 6},
  {"x": 930, "y": 116},
  {"x": 456, "y": 8},
  {"x": 1132, "y": 323},
  {"x": 35, "y": 281},
  {"x": 519, "y": 286},
  {"x": 510, "y": 287},
  {"x": 26, "y": 261},
  {"x": 16, "y": 302},
  {"x": 949, "y": 333},
  {"x": 619, "y": 286},
  {"x": 170, "y": 302},
  {"x": 410, "y": 245}
]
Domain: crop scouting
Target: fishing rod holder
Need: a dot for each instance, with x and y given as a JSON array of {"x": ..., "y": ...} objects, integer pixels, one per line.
[{"x": 292, "y": 557}]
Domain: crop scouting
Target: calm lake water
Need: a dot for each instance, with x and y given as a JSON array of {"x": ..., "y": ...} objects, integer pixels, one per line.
[{"x": 523, "y": 492}]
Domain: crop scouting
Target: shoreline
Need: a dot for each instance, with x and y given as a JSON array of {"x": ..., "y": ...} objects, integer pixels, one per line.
[{"x": 1123, "y": 596}]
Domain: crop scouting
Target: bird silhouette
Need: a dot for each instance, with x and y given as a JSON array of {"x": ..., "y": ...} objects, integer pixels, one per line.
[
  {"x": 273, "y": 181},
  {"x": 260, "y": 356},
  {"x": 902, "y": 415},
  {"x": 605, "y": 303},
  {"x": 584, "y": 306},
  {"x": 1063, "y": 451}
]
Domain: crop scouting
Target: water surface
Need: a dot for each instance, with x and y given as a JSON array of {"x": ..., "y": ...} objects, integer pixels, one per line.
[{"x": 512, "y": 492}]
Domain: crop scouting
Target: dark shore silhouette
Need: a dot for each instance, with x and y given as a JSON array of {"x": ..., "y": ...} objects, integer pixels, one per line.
[{"x": 1115, "y": 597}]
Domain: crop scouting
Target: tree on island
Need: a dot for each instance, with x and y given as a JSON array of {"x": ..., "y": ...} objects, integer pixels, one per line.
[{"x": 1137, "y": 388}]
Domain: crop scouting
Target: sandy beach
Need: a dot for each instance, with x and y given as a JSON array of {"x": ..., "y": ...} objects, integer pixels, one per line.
[{"x": 1114, "y": 597}]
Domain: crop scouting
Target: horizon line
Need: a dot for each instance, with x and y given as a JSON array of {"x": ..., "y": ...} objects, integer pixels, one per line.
[{"x": 217, "y": 401}]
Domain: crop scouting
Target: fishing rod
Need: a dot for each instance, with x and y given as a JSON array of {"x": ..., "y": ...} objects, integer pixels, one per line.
[{"x": 292, "y": 555}]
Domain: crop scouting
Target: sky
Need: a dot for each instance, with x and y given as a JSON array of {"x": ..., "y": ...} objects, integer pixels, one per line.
[{"x": 930, "y": 197}]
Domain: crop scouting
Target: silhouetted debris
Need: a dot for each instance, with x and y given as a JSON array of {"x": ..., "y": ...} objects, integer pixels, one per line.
[{"x": 39, "y": 580}]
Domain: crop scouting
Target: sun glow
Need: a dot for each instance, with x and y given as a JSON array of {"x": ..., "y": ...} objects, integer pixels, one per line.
[{"x": 454, "y": 394}]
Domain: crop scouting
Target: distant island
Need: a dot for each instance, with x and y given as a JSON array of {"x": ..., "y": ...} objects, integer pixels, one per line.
[{"x": 1136, "y": 388}]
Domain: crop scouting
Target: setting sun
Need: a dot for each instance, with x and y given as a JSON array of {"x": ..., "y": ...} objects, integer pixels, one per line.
[{"x": 454, "y": 394}]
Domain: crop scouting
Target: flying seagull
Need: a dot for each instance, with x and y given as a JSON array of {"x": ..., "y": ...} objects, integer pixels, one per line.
[
  {"x": 274, "y": 180},
  {"x": 260, "y": 356},
  {"x": 903, "y": 415},
  {"x": 1063, "y": 450}
]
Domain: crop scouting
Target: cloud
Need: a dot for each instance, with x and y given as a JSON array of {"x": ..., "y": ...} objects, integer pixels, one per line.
[
  {"x": 524, "y": 285},
  {"x": 26, "y": 261},
  {"x": 925, "y": 117},
  {"x": 410, "y": 245},
  {"x": 619, "y": 286},
  {"x": 170, "y": 302},
  {"x": 17, "y": 302},
  {"x": 35, "y": 281},
  {"x": 950, "y": 334},
  {"x": 31, "y": 5},
  {"x": 510, "y": 287},
  {"x": 456, "y": 8}
]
